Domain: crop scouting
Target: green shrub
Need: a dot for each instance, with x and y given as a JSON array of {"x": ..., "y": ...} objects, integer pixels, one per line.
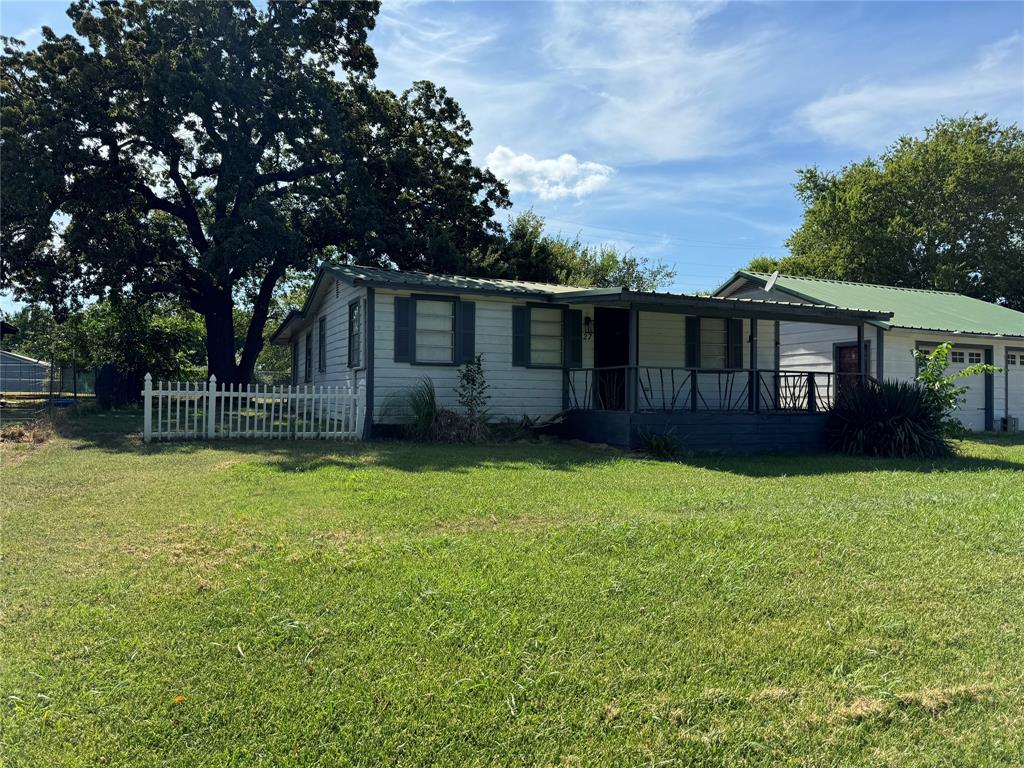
[
  {"x": 660, "y": 445},
  {"x": 931, "y": 372},
  {"x": 421, "y": 403},
  {"x": 472, "y": 394},
  {"x": 888, "y": 418}
]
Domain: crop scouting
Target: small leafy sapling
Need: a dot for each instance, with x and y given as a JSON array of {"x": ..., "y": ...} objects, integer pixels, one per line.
[
  {"x": 473, "y": 397},
  {"x": 948, "y": 394}
]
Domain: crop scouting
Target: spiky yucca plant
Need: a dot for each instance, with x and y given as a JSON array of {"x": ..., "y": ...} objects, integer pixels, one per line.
[{"x": 888, "y": 418}]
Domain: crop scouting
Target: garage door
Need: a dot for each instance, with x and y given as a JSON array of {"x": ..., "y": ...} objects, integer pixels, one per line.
[
  {"x": 972, "y": 407},
  {"x": 1015, "y": 385}
]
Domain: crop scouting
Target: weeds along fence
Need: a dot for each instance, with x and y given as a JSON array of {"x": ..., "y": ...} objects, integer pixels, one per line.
[{"x": 206, "y": 410}]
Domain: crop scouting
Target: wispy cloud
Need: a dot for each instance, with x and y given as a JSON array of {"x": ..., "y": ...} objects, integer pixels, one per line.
[
  {"x": 549, "y": 179},
  {"x": 650, "y": 87},
  {"x": 875, "y": 114}
]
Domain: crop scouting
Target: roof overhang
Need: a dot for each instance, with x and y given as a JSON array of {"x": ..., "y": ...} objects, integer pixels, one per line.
[{"x": 716, "y": 306}]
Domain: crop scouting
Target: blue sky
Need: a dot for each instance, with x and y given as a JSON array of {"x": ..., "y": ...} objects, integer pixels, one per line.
[{"x": 673, "y": 129}]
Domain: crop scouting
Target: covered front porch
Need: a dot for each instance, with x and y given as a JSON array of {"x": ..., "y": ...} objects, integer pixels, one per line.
[{"x": 705, "y": 370}]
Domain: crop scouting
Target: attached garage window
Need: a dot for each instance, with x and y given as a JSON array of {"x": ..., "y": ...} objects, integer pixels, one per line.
[
  {"x": 546, "y": 336},
  {"x": 1011, "y": 358},
  {"x": 973, "y": 358},
  {"x": 435, "y": 331},
  {"x": 956, "y": 357}
]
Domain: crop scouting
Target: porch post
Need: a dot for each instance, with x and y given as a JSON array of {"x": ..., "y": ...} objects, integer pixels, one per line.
[
  {"x": 880, "y": 354},
  {"x": 753, "y": 401},
  {"x": 632, "y": 373},
  {"x": 861, "y": 362}
]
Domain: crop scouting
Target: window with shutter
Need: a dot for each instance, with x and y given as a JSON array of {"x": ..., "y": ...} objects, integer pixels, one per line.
[
  {"x": 321, "y": 341},
  {"x": 435, "y": 331},
  {"x": 309, "y": 356},
  {"x": 546, "y": 343},
  {"x": 355, "y": 334}
]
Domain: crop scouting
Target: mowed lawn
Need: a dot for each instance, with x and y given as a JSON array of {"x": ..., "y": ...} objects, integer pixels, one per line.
[{"x": 525, "y": 604}]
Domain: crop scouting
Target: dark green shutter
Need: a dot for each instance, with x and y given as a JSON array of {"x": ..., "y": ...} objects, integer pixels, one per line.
[
  {"x": 693, "y": 342},
  {"x": 734, "y": 338},
  {"x": 573, "y": 322},
  {"x": 520, "y": 335},
  {"x": 403, "y": 329},
  {"x": 467, "y": 331}
]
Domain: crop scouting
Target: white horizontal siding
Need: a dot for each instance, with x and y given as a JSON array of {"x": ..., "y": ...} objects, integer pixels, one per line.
[
  {"x": 514, "y": 391},
  {"x": 333, "y": 306},
  {"x": 899, "y": 364},
  {"x": 809, "y": 346}
]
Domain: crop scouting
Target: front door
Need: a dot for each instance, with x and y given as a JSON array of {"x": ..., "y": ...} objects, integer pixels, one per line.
[
  {"x": 611, "y": 348},
  {"x": 847, "y": 365}
]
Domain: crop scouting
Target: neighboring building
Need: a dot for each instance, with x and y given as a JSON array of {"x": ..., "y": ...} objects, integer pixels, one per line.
[
  {"x": 618, "y": 363},
  {"x": 921, "y": 319},
  {"x": 20, "y": 373}
]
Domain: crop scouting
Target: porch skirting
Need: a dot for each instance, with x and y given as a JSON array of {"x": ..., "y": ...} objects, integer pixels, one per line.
[{"x": 702, "y": 431}]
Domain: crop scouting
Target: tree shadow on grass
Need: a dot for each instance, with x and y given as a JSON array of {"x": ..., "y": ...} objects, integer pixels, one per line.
[{"x": 120, "y": 432}]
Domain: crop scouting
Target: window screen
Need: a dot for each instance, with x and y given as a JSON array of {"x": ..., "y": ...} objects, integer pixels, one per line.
[
  {"x": 435, "y": 331},
  {"x": 545, "y": 336}
]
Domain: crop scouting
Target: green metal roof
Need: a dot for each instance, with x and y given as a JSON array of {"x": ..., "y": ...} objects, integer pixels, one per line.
[
  {"x": 393, "y": 278},
  {"x": 714, "y": 306},
  {"x": 910, "y": 307}
]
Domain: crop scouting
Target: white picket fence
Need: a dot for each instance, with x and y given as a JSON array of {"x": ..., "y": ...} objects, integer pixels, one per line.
[{"x": 204, "y": 410}]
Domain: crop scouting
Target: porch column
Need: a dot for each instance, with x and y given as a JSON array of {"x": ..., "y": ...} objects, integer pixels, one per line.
[
  {"x": 861, "y": 361},
  {"x": 753, "y": 401},
  {"x": 632, "y": 374},
  {"x": 880, "y": 354}
]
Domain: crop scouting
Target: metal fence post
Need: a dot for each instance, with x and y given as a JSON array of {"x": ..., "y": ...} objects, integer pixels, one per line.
[
  {"x": 211, "y": 407},
  {"x": 147, "y": 409}
]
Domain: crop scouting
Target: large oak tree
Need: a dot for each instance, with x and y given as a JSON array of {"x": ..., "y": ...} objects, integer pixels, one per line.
[
  {"x": 942, "y": 211},
  {"x": 209, "y": 150}
]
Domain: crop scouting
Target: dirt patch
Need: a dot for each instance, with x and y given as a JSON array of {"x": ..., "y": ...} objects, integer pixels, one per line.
[
  {"x": 612, "y": 712},
  {"x": 774, "y": 694},
  {"x": 933, "y": 701},
  {"x": 340, "y": 540},
  {"x": 39, "y": 432},
  {"x": 865, "y": 708},
  {"x": 471, "y": 525}
]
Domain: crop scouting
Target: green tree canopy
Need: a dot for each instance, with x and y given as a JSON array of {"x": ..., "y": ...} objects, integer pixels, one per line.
[
  {"x": 207, "y": 151},
  {"x": 526, "y": 253},
  {"x": 945, "y": 211},
  {"x": 138, "y": 334}
]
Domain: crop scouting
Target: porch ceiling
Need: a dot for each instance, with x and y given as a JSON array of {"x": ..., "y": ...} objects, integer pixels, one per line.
[{"x": 714, "y": 306}]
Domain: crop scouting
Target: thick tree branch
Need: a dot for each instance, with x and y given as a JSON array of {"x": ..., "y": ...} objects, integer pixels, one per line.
[{"x": 260, "y": 311}]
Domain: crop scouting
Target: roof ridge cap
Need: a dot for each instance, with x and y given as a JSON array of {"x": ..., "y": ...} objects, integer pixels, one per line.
[{"x": 866, "y": 285}]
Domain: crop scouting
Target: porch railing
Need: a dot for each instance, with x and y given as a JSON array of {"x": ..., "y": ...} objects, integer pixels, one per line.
[{"x": 647, "y": 389}]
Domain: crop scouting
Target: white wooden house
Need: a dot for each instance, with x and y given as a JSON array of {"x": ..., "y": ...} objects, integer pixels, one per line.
[
  {"x": 615, "y": 362},
  {"x": 981, "y": 332}
]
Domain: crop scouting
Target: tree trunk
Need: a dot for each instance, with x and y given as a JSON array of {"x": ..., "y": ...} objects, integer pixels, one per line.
[{"x": 220, "y": 340}]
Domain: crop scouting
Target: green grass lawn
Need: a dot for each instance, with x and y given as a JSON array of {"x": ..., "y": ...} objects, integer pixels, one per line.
[{"x": 529, "y": 604}]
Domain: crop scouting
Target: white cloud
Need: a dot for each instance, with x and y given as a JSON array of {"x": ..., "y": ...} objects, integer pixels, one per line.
[
  {"x": 550, "y": 179},
  {"x": 875, "y": 114},
  {"x": 652, "y": 88}
]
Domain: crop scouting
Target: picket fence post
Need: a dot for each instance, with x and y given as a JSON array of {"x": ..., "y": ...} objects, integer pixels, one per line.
[
  {"x": 211, "y": 407},
  {"x": 147, "y": 409}
]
